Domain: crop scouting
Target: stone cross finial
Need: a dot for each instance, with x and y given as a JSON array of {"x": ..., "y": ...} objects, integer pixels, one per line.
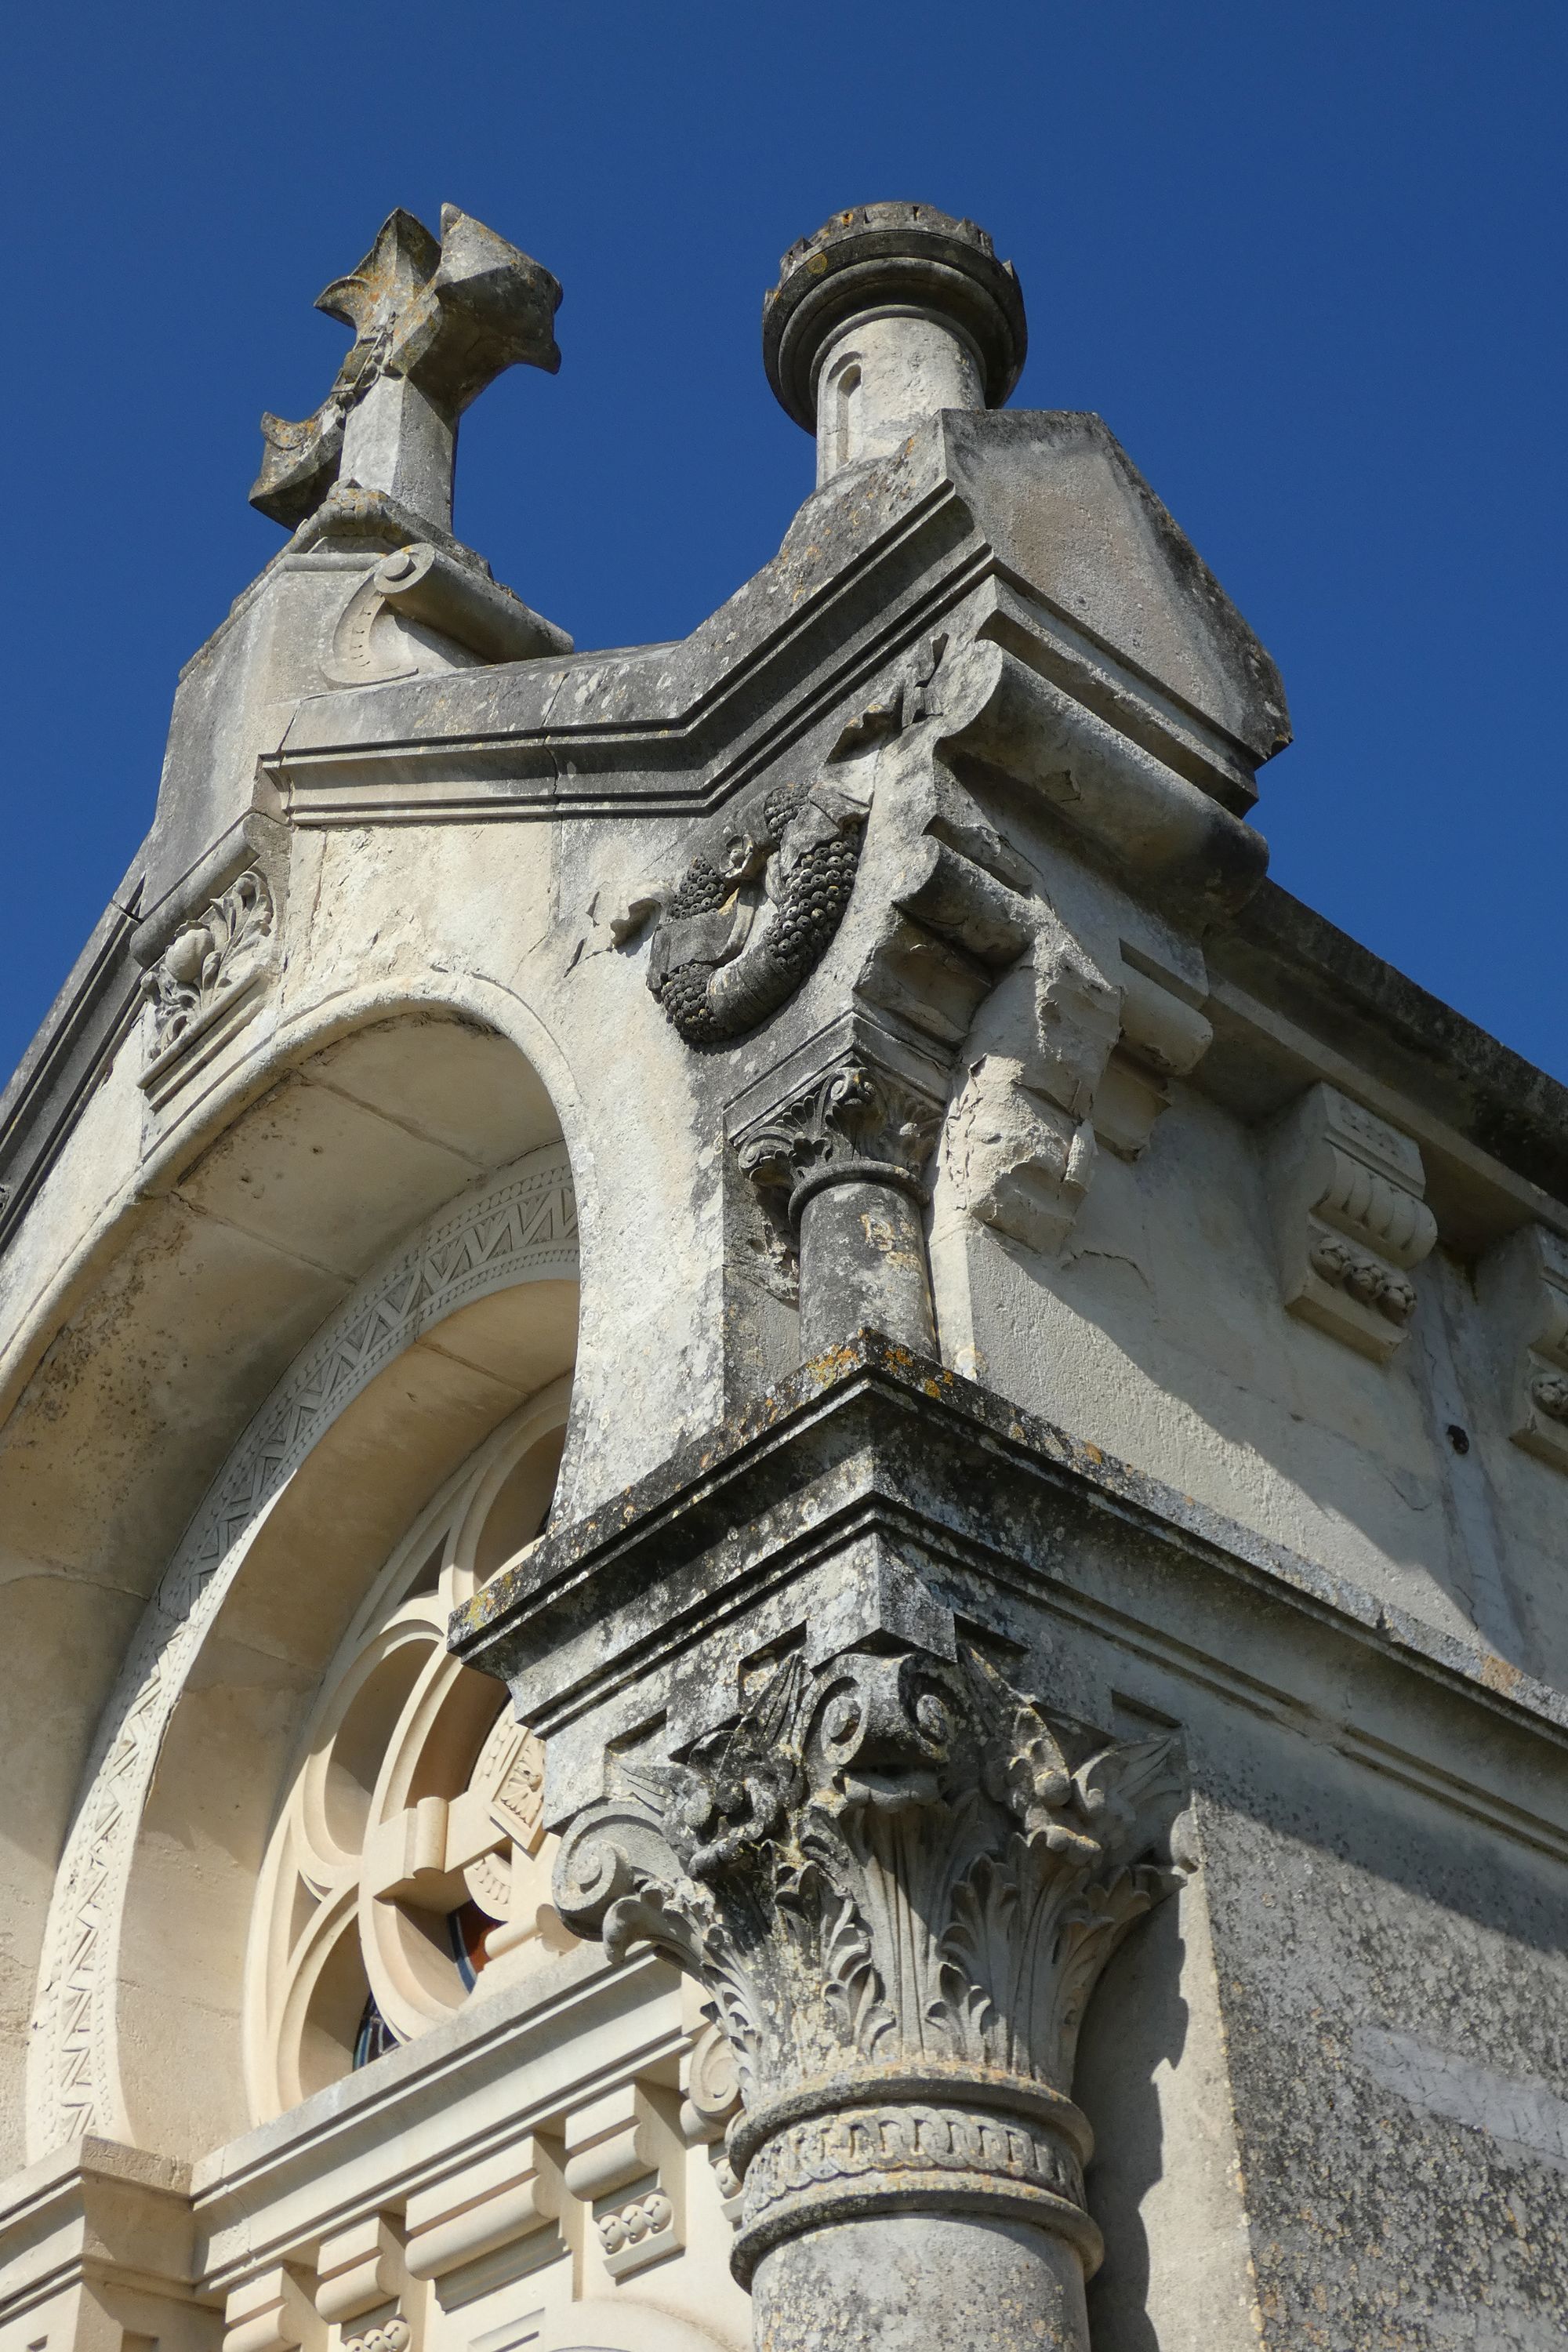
[{"x": 433, "y": 323}]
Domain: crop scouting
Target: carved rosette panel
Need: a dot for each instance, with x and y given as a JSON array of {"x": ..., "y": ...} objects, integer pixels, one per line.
[
  {"x": 898, "y": 1881},
  {"x": 755, "y": 911}
]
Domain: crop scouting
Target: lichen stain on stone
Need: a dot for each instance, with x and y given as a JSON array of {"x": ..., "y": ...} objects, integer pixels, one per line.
[{"x": 1497, "y": 1674}]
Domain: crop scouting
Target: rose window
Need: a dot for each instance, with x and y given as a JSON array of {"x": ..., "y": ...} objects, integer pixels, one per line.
[{"x": 408, "y": 1872}]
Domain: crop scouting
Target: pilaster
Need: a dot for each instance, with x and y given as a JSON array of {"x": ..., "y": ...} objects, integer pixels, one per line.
[{"x": 96, "y": 2253}]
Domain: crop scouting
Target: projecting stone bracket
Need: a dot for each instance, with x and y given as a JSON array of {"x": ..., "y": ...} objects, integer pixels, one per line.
[
  {"x": 954, "y": 908},
  {"x": 1523, "y": 1284},
  {"x": 1164, "y": 1035},
  {"x": 1350, "y": 1219}
]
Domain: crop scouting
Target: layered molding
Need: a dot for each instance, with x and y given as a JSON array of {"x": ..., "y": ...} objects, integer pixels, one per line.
[
  {"x": 519, "y": 1227},
  {"x": 869, "y": 563},
  {"x": 914, "y": 1469},
  {"x": 90, "y": 1019},
  {"x": 97, "y": 2247},
  {"x": 573, "y": 2112}
]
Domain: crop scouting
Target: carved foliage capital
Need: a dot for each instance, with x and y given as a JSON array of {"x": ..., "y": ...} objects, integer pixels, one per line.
[
  {"x": 899, "y": 1879},
  {"x": 856, "y": 1121},
  {"x": 857, "y": 1103}
]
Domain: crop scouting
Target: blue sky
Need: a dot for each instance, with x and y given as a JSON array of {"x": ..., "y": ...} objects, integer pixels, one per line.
[{"x": 1306, "y": 260}]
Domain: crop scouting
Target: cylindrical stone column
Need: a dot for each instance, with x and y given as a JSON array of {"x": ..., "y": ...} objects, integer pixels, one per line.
[
  {"x": 887, "y": 315},
  {"x": 863, "y": 1267},
  {"x": 924, "y": 2206},
  {"x": 915, "y": 2281},
  {"x": 852, "y": 1144}
]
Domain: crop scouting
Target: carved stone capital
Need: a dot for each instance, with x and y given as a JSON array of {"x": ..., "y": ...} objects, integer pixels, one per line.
[
  {"x": 897, "y": 1880},
  {"x": 856, "y": 1104}
]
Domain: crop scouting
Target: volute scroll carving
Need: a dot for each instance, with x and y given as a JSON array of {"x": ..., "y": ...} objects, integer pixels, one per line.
[
  {"x": 857, "y": 1122},
  {"x": 897, "y": 1880}
]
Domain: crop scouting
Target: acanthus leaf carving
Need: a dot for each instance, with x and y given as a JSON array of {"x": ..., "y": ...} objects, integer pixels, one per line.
[
  {"x": 859, "y": 1119},
  {"x": 897, "y": 1879},
  {"x": 207, "y": 966}
]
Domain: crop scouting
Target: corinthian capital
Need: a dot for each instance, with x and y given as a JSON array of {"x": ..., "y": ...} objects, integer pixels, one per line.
[
  {"x": 897, "y": 1880},
  {"x": 857, "y": 1105}
]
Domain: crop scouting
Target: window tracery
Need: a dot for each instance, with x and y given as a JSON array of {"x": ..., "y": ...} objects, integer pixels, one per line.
[{"x": 408, "y": 1871}]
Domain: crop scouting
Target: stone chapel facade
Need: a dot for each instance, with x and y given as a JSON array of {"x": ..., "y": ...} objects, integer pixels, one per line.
[{"x": 784, "y": 1497}]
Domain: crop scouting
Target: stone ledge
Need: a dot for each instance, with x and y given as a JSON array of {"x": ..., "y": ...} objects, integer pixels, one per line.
[{"x": 822, "y": 1462}]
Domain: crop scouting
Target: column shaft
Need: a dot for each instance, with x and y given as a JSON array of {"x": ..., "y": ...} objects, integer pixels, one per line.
[
  {"x": 921, "y": 2283},
  {"x": 863, "y": 1265}
]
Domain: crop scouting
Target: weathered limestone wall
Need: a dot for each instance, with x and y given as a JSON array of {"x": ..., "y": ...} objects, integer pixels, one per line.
[{"x": 1065, "y": 1367}]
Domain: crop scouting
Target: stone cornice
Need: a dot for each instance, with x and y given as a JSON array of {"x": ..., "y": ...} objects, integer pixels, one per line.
[
  {"x": 77, "y": 1040},
  {"x": 874, "y": 1448},
  {"x": 1466, "y": 1097},
  {"x": 866, "y": 566},
  {"x": 674, "y": 727}
]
